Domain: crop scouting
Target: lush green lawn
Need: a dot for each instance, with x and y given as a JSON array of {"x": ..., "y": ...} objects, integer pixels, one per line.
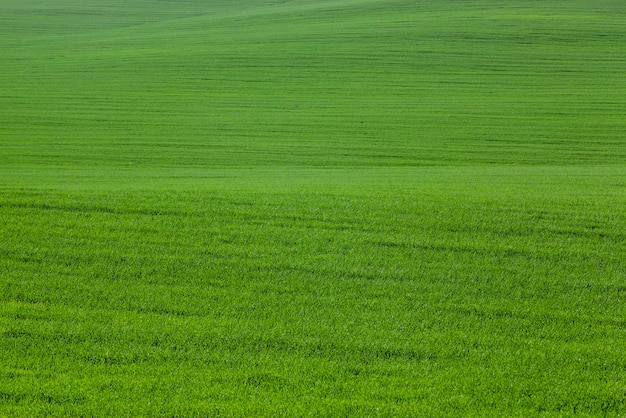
[{"x": 332, "y": 208}]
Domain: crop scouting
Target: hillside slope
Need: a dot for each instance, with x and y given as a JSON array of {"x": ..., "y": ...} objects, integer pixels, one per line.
[{"x": 311, "y": 84}]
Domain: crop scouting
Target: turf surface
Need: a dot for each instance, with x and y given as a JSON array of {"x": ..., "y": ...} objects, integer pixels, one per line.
[{"x": 331, "y": 208}]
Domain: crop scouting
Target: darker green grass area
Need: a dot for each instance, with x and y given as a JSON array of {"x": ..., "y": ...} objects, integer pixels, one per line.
[
  {"x": 312, "y": 208},
  {"x": 341, "y": 84}
]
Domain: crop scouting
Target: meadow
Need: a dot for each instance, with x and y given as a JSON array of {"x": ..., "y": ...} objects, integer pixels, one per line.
[{"x": 312, "y": 208}]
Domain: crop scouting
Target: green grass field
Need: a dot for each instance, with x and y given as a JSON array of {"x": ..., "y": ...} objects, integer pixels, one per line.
[{"x": 313, "y": 208}]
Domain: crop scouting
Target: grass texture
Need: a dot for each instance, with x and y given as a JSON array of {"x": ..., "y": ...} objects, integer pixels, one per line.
[{"x": 312, "y": 208}]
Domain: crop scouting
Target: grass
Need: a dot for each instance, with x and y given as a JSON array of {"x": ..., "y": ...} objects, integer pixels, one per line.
[{"x": 347, "y": 208}]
